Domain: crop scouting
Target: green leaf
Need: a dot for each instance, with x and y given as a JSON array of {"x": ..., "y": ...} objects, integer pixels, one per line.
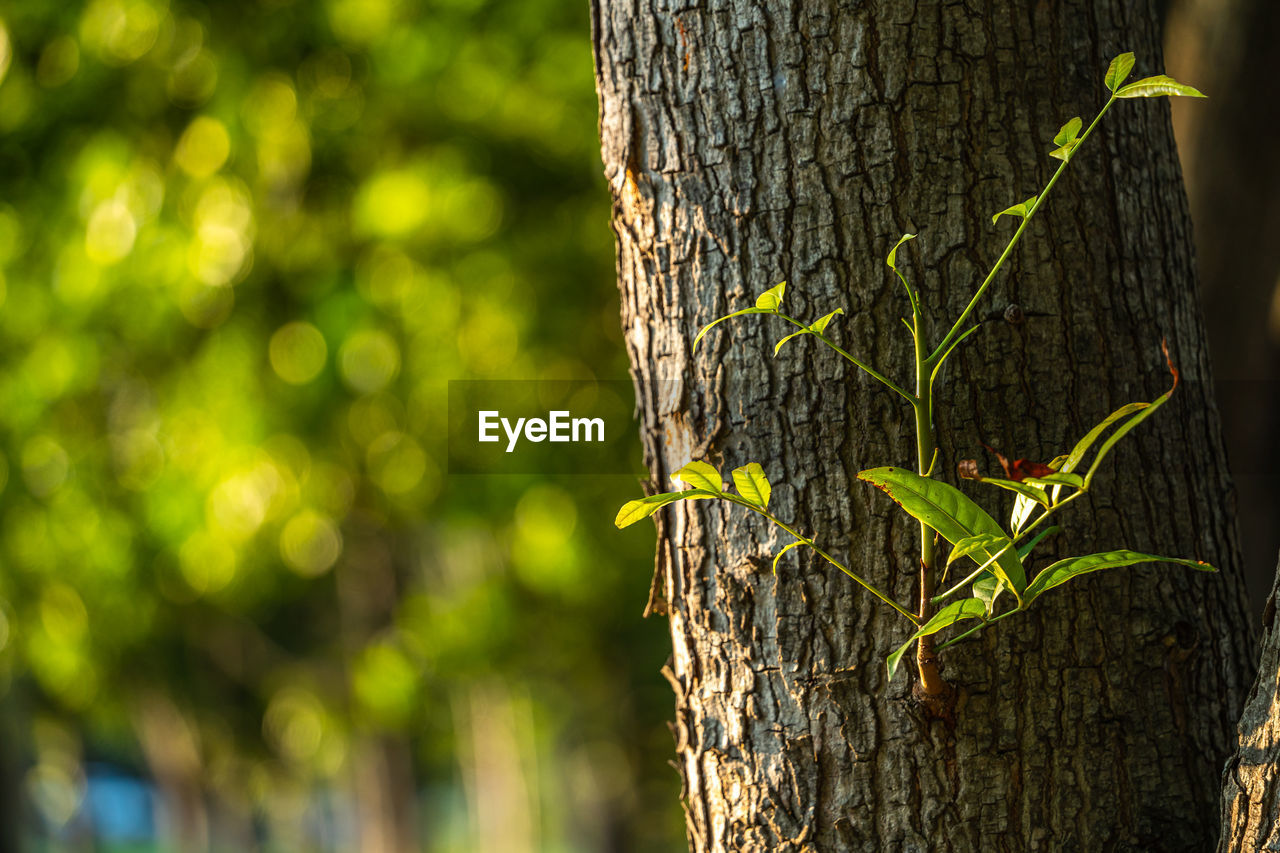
[
  {"x": 1118, "y": 71},
  {"x": 987, "y": 589},
  {"x": 1064, "y": 570},
  {"x": 1068, "y": 131},
  {"x": 1023, "y": 506},
  {"x": 771, "y": 298},
  {"x": 1077, "y": 453},
  {"x": 965, "y": 547},
  {"x": 1035, "y": 493},
  {"x": 778, "y": 346},
  {"x": 1059, "y": 479},
  {"x": 1021, "y": 210},
  {"x": 820, "y": 325},
  {"x": 1063, "y": 152},
  {"x": 1025, "y": 549},
  {"x": 1120, "y": 432},
  {"x": 891, "y": 260},
  {"x": 709, "y": 326},
  {"x": 778, "y": 556},
  {"x": 956, "y": 611},
  {"x": 752, "y": 484},
  {"x": 1155, "y": 87},
  {"x": 700, "y": 475},
  {"x": 633, "y": 511},
  {"x": 945, "y": 509},
  {"x": 817, "y": 327}
]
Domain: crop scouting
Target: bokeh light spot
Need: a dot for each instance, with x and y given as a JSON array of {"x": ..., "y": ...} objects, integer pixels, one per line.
[
  {"x": 360, "y": 21},
  {"x": 110, "y": 234},
  {"x": 369, "y": 360},
  {"x": 384, "y": 682},
  {"x": 203, "y": 147},
  {"x": 396, "y": 463},
  {"x": 391, "y": 204},
  {"x": 297, "y": 352},
  {"x": 310, "y": 543},
  {"x": 45, "y": 465},
  {"x": 59, "y": 62},
  {"x": 120, "y": 31},
  {"x": 208, "y": 562},
  {"x": 63, "y": 615}
]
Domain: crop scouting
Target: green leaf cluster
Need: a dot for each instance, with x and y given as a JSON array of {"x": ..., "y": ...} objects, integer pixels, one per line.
[{"x": 999, "y": 557}]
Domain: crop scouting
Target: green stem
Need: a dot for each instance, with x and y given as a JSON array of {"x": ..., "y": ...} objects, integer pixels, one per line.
[
  {"x": 931, "y": 681},
  {"x": 1017, "y": 235},
  {"x": 962, "y": 584},
  {"x": 1047, "y": 512},
  {"x": 889, "y": 383},
  {"x": 976, "y": 628},
  {"x": 867, "y": 585}
]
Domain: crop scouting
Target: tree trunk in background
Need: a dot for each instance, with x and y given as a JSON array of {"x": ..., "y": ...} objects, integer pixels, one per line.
[
  {"x": 1233, "y": 183},
  {"x": 748, "y": 143},
  {"x": 1250, "y": 784},
  {"x": 11, "y": 799}
]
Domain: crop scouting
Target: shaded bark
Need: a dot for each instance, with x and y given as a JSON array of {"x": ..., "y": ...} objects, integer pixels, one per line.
[
  {"x": 747, "y": 143},
  {"x": 1250, "y": 784}
]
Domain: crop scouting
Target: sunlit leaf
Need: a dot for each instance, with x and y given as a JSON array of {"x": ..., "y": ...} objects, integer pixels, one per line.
[
  {"x": 700, "y": 475},
  {"x": 1082, "y": 446},
  {"x": 778, "y": 556},
  {"x": 820, "y": 325},
  {"x": 1063, "y": 152},
  {"x": 945, "y": 509},
  {"x": 1035, "y": 493},
  {"x": 1118, "y": 71},
  {"x": 1064, "y": 570},
  {"x": 815, "y": 328},
  {"x": 713, "y": 323},
  {"x": 1068, "y": 131},
  {"x": 1023, "y": 506},
  {"x": 1058, "y": 479},
  {"x": 956, "y": 611},
  {"x": 1143, "y": 413},
  {"x": 1157, "y": 86},
  {"x": 1020, "y": 210},
  {"x": 989, "y": 543},
  {"x": 752, "y": 484},
  {"x": 892, "y": 259},
  {"x": 633, "y": 511},
  {"x": 987, "y": 589},
  {"x": 771, "y": 298}
]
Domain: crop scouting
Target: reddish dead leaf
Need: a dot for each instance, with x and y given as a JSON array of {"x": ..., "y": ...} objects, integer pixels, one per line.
[
  {"x": 968, "y": 469},
  {"x": 1019, "y": 469},
  {"x": 1164, "y": 346}
]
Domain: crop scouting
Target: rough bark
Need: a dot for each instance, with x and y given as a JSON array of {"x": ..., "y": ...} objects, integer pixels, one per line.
[
  {"x": 751, "y": 142},
  {"x": 1250, "y": 784}
]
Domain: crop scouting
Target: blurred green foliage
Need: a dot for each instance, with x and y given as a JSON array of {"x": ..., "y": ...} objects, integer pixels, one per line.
[{"x": 244, "y": 246}]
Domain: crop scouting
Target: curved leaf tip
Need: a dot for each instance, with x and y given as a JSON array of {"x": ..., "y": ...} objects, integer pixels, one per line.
[
  {"x": 700, "y": 475},
  {"x": 891, "y": 260},
  {"x": 752, "y": 484},
  {"x": 1157, "y": 86},
  {"x": 771, "y": 298},
  {"x": 1118, "y": 71}
]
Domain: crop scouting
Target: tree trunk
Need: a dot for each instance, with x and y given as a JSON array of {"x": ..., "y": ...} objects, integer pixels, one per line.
[
  {"x": 751, "y": 142},
  {"x": 1250, "y": 784}
]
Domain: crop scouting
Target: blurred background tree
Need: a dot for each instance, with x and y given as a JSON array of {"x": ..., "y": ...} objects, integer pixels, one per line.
[{"x": 244, "y": 247}]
